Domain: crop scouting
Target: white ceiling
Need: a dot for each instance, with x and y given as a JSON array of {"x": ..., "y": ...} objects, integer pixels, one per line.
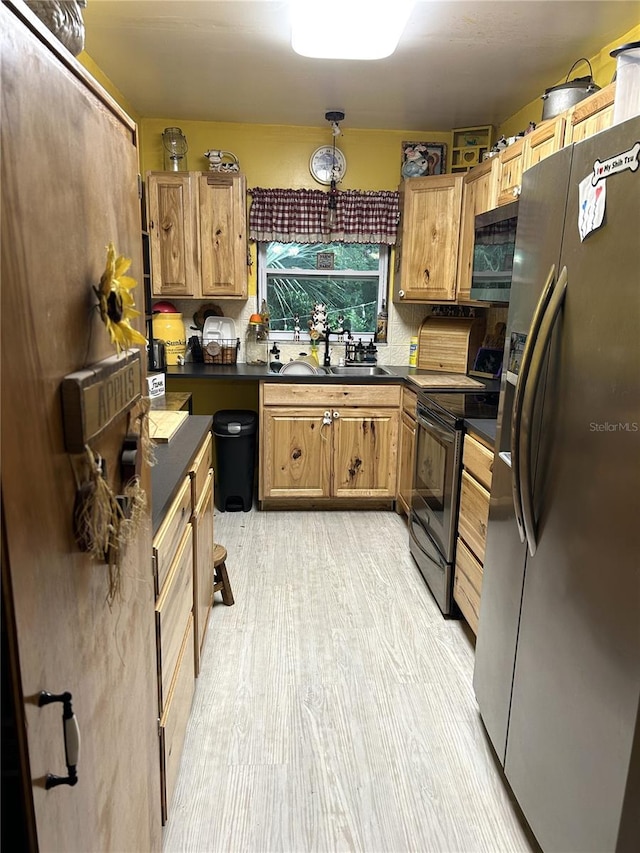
[{"x": 458, "y": 64}]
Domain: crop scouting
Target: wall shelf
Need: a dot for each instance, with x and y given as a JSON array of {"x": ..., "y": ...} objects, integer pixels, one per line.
[{"x": 469, "y": 144}]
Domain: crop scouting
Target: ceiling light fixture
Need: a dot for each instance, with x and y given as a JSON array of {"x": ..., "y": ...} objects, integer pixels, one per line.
[{"x": 348, "y": 29}]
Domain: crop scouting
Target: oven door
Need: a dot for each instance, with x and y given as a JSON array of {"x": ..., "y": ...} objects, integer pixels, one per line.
[
  {"x": 437, "y": 479},
  {"x": 437, "y": 572}
]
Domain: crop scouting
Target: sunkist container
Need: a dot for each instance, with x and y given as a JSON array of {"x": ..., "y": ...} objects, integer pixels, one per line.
[
  {"x": 413, "y": 352},
  {"x": 170, "y": 329}
]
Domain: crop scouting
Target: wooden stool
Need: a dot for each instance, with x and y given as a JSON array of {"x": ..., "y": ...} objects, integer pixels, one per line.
[{"x": 220, "y": 576}]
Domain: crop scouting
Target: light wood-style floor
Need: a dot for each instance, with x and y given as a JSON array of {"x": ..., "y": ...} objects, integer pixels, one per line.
[{"x": 335, "y": 709}]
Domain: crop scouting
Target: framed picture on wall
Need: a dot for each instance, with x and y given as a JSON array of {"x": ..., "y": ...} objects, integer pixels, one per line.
[{"x": 420, "y": 159}]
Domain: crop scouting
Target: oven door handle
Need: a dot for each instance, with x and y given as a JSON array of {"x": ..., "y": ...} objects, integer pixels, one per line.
[
  {"x": 516, "y": 421},
  {"x": 448, "y": 433}
]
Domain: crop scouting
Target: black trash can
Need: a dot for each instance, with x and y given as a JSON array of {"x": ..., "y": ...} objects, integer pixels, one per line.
[{"x": 235, "y": 435}]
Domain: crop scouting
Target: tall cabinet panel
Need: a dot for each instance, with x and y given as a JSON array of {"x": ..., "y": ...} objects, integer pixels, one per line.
[{"x": 69, "y": 187}]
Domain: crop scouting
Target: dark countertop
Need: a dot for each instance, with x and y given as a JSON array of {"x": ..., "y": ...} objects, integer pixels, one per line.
[
  {"x": 173, "y": 461},
  {"x": 484, "y": 427},
  {"x": 247, "y": 372}
]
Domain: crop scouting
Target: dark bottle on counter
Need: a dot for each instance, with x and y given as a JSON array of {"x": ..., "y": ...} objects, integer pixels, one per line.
[{"x": 381, "y": 325}]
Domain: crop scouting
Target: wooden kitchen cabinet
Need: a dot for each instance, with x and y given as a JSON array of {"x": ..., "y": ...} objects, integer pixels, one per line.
[
  {"x": 197, "y": 230},
  {"x": 426, "y": 257},
  {"x": 62, "y": 632},
  {"x": 183, "y": 579},
  {"x": 590, "y": 115},
  {"x": 479, "y": 193},
  {"x": 328, "y": 442},
  {"x": 545, "y": 140},
  {"x": 406, "y": 451},
  {"x": 201, "y": 476},
  {"x": 510, "y": 168},
  {"x": 475, "y": 489}
]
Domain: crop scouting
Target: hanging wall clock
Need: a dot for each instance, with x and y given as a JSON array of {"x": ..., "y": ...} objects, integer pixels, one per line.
[{"x": 322, "y": 163}]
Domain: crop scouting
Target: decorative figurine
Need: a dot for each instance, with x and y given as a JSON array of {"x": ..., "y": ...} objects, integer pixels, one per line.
[{"x": 296, "y": 327}]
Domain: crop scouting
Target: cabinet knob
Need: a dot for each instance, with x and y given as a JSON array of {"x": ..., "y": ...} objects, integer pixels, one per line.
[
  {"x": 401, "y": 294},
  {"x": 336, "y": 415}
]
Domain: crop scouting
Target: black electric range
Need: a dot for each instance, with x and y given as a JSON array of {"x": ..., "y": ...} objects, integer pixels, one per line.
[{"x": 456, "y": 406}]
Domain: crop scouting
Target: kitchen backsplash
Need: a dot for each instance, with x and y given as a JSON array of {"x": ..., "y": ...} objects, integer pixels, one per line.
[{"x": 403, "y": 324}]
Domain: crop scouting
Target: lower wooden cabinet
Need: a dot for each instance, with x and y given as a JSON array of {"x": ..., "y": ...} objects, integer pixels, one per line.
[
  {"x": 183, "y": 576},
  {"x": 475, "y": 489},
  {"x": 406, "y": 452},
  {"x": 202, "y": 566},
  {"x": 325, "y": 442},
  {"x": 174, "y": 719}
]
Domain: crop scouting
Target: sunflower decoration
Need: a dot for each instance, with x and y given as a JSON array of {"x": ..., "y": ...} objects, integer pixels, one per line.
[{"x": 116, "y": 304}]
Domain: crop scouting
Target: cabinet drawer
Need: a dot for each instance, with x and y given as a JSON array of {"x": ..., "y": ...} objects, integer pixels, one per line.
[
  {"x": 467, "y": 585},
  {"x": 409, "y": 400},
  {"x": 474, "y": 514},
  {"x": 170, "y": 533},
  {"x": 478, "y": 460},
  {"x": 200, "y": 471},
  {"x": 173, "y": 609},
  {"x": 314, "y": 394},
  {"x": 173, "y": 723}
]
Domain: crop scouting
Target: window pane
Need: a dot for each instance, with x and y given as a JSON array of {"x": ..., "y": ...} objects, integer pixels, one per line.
[
  {"x": 347, "y": 256},
  {"x": 355, "y": 298}
]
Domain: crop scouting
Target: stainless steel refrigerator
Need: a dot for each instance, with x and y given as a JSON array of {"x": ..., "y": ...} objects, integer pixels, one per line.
[{"x": 557, "y": 671}]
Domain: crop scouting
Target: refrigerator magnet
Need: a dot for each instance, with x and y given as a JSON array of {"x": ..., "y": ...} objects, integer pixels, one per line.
[{"x": 591, "y": 206}]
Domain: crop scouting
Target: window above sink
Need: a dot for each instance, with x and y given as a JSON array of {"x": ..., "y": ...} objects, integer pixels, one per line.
[{"x": 349, "y": 278}]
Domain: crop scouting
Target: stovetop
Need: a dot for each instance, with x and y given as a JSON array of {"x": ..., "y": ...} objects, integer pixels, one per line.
[{"x": 457, "y": 405}]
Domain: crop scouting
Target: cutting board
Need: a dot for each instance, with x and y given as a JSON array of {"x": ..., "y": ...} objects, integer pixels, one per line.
[
  {"x": 164, "y": 425},
  {"x": 445, "y": 380}
]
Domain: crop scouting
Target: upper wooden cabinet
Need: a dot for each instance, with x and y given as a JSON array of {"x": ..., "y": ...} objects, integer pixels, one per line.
[
  {"x": 545, "y": 140},
  {"x": 510, "y": 168},
  {"x": 197, "y": 230},
  {"x": 478, "y": 196},
  {"x": 590, "y": 116},
  {"x": 427, "y": 244}
]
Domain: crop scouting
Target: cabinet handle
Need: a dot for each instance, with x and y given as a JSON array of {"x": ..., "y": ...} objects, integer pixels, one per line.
[
  {"x": 151, "y": 225},
  {"x": 336, "y": 415},
  {"x": 71, "y": 734},
  {"x": 401, "y": 294}
]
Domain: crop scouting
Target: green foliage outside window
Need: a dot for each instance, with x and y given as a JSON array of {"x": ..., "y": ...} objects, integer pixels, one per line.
[{"x": 294, "y": 278}]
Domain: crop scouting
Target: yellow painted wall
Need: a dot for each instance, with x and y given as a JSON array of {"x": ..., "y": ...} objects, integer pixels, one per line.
[
  {"x": 106, "y": 83},
  {"x": 278, "y": 156},
  {"x": 603, "y": 66}
]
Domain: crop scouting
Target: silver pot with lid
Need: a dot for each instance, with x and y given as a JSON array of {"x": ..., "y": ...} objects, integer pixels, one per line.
[{"x": 559, "y": 98}]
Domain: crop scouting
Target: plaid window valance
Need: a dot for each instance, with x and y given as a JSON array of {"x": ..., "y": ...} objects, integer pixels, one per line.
[{"x": 300, "y": 216}]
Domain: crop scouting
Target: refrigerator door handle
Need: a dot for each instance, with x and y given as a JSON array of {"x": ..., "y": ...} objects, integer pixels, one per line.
[
  {"x": 529, "y": 396},
  {"x": 516, "y": 421}
]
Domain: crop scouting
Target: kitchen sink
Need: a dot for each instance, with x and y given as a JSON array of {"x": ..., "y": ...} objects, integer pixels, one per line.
[{"x": 360, "y": 370}]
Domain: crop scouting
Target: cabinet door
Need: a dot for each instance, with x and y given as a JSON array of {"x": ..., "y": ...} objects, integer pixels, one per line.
[
  {"x": 427, "y": 259},
  {"x": 545, "y": 140},
  {"x": 223, "y": 237},
  {"x": 172, "y": 234},
  {"x": 61, "y": 131},
  {"x": 295, "y": 453},
  {"x": 365, "y": 449},
  {"x": 406, "y": 462},
  {"x": 479, "y": 195},
  {"x": 510, "y": 172},
  {"x": 591, "y": 115}
]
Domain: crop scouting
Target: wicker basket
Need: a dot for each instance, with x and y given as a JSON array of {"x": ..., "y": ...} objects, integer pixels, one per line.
[{"x": 223, "y": 351}]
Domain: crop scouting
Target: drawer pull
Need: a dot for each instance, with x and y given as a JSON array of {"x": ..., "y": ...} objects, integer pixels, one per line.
[{"x": 71, "y": 734}]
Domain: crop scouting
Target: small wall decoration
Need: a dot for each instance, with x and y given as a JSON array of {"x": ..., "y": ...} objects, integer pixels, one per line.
[
  {"x": 115, "y": 300},
  {"x": 325, "y": 260},
  {"x": 420, "y": 159}
]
